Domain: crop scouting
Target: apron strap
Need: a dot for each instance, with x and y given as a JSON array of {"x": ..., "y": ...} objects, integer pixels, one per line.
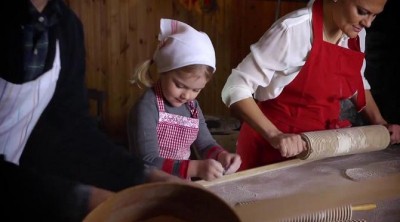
[{"x": 160, "y": 100}]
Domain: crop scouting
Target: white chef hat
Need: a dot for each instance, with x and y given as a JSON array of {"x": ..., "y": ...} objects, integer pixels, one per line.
[{"x": 181, "y": 45}]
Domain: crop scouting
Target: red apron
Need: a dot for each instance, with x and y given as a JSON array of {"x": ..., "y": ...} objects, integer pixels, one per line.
[
  {"x": 175, "y": 133},
  {"x": 312, "y": 100}
]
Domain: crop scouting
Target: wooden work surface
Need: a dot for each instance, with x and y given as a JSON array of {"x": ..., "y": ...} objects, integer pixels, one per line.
[{"x": 296, "y": 187}]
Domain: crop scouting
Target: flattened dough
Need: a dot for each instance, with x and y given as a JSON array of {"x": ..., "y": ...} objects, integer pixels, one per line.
[{"x": 373, "y": 170}]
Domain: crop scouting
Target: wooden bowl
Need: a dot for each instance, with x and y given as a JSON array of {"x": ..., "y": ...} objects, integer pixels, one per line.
[{"x": 164, "y": 202}]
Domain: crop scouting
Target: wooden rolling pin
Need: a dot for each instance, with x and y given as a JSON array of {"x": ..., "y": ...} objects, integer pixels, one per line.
[
  {"x": 343, "y": 213},
  {"x": 344, "y": 141},
  {"x": 322, "y": 144}
]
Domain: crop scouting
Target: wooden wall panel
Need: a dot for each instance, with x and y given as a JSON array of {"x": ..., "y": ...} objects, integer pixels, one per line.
[
  {"x": 121, "y": 33},
  {"x": 252, "y": 18}
]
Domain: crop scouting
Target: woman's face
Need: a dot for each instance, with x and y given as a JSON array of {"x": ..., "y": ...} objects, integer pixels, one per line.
[
  {"x": 351, "y": 16},
  {"x": 179, "y": 88}
]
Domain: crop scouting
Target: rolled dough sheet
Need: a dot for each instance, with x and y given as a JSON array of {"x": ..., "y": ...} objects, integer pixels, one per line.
[{"x": 373, "y": 170}]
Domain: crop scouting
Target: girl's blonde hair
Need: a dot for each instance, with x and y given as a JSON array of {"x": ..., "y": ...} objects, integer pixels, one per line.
[{"x": 142, "y": 75}]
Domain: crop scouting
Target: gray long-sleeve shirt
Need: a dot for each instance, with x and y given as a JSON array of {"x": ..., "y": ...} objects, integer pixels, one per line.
[{"x": 142, "y": 134}]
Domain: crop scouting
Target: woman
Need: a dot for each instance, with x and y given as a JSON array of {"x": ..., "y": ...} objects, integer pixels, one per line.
[{"x": 299, "y": 71}]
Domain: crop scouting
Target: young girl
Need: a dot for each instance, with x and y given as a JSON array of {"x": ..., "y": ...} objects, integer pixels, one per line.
[{"x": 167, "y": 120}]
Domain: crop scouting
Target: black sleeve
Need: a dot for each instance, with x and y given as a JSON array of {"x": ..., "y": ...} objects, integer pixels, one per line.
[
  {"x": 27, "y": 196},
  {"x": 66, "y": 140}
]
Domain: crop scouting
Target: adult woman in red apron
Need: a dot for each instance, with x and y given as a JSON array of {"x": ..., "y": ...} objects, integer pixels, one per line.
[{"x": 299, "y": 71}]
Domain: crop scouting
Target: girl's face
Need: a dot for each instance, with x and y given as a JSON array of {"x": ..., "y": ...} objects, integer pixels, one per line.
[
  {"x": 180, "y": 87},
  {"x": 351, "y": 16}
]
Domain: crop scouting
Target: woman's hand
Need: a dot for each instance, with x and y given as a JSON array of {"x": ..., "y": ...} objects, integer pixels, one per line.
[
  {"x": 394, "y": 130},
  {"x": 289, "y": 145}
]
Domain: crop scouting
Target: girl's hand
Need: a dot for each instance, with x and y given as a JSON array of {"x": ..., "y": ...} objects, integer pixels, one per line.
[
  {"x": 208, "y": 169},
  {"x": 230, "y": 161}
]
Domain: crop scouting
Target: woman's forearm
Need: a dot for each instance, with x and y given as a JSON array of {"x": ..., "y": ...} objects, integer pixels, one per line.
[
  {"x": 371, "y": 111},
  {"x": 247, "y": 110}
]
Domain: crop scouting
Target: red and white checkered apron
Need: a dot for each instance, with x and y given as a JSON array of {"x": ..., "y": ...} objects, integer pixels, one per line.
[{"x": 175, "y": 133}]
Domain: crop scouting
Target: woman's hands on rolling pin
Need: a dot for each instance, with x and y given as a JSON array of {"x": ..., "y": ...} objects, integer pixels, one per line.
[
  {"x": 394, "y": 130},
  {"x": 288, "y": 144}
]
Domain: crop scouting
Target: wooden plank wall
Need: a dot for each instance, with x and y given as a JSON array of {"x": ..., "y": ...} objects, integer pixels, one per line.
[{"x": 121, "y": 33}]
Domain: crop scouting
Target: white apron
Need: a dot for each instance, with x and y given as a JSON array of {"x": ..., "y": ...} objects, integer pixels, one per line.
[{"x": 21, "y": 106}]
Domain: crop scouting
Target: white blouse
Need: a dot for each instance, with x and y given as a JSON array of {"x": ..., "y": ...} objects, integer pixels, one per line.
[{"x": 276, "y": 59}]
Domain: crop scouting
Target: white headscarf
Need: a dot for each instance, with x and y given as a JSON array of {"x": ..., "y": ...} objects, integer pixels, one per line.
[{"x": 185, "y": 46}]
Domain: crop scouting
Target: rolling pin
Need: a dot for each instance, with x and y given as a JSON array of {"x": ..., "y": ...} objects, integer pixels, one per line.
[
  {"x": 344, "y": 141},
  {"x": 342, "y": 213}
]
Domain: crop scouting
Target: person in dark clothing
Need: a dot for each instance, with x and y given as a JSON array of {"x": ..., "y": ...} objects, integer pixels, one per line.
[
  {"x": 43, "y": 92},
  {"x": 44, "y": 197},
  {"x": 45, "y": 127}
]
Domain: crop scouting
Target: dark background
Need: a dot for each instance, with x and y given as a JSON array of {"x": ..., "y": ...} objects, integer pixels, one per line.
[{"x": 383, "y": 60}]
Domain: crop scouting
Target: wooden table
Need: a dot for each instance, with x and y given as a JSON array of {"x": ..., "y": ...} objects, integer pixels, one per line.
[{"x": 295, "y": 187}]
